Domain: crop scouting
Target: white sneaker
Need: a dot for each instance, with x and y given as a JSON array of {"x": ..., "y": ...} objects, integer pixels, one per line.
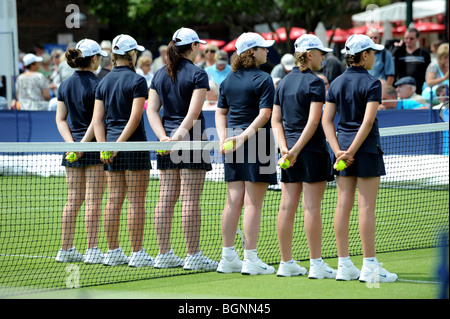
[
  {"x": 321, "y": 271},
  {"x": 256, "y": 268},
  {"x": 168, "y": 260},
  {"x": 141, "y": 259},
  {"x": 288, "y": 269},
  {"x": 69, "y": 255},
  {"x": 199, "y": 262},
  {"x": 115, "y": 257},
  {"x": 346, "y": 273},
  {"x": 229, "y": 266},
  {"x": 375, "y": 273},
  {"x": 94, "y": 256}
]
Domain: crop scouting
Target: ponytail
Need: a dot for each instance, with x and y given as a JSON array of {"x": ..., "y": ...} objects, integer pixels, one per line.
[
  {"x": 74, "y": 60},
  {"x": 126, "y": 57},
  {"x": 174, "y": 54},
  {"x": 301, "y": 60}
]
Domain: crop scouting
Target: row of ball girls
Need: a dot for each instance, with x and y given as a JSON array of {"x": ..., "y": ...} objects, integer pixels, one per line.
[{"x": 248, "y": 101}]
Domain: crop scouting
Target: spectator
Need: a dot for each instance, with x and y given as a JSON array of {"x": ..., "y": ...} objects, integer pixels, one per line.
[
  {"x": 211, "y": 97},
  {"x": 284, "y": 67},
  {"x": 31, "y": 86},
  {"x": 383, "y": 67},
  {"x": 325, "y": 81},
  {"x": 220, "y": 70},
  {"x": 332, "y": 67},
  {"x": 410, "y": 59},
  {"x": 144, "y": 65},
  {"x": 388, "y": 97},
  {"x": 406, "y": 91},
  {"x": 161, "y": 60},
  {"x": 442, "y": 94},
  {"x": 210, "y": 56},
  {"x": 105, "y": 66},
  {"x": 64, "y": 70},
  {"x": 437, "y": 73}
]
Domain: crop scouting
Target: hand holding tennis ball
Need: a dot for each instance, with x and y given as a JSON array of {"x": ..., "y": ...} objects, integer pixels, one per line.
[
  {"x": 227, "y": 146},
  {"x": 105, "y": 155},
  {"x": 71, "y": 157},
  {"x": 284, "y": 162},
  {"x": 340, "y": 165}
]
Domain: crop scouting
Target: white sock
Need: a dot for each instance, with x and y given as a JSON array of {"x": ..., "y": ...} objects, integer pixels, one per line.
[
  {"x": 370, "y": 261},
  {"x": 316, "y": 261},
  {"x": 250, "y": 254},
  {"x": 346, "y": 261},
  {"x": 229, "y": 253},
  {"x": 288, "y": 262}
]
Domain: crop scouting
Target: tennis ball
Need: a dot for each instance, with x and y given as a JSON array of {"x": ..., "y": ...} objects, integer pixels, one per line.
[
  {"x": 161, "y": 151},
  {"x": 106, "y": 155},
  {"x": 340, "y": 165},
  {"x": 228, "y": 145},
  {"x": 71, "y": 157},
  {"x": 284, "y": 163}
]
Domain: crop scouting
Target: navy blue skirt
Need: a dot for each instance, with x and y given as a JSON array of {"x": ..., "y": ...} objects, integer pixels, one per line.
[
  {"x": 252, "y": 162},
  {"x": 185, "y": 159},
  {"x": 310, "y": 167},
  {"x": 131, "y": 161},
  {"x": 88, "y": 159},
  {"x": 365, "y": 165}
]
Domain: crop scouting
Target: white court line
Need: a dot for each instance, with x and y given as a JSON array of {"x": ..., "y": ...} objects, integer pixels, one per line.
[{"x": 420, "y": 281}]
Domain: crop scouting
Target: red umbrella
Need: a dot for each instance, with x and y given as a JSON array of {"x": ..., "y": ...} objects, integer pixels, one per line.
[
  {"x": 280, "y": 34},
  {"x": 340, "y": 36},
  {"x": 423, "y": 27},
  {"x": 230, "y": 46},
  {"x": 217, "y": 43},
  {"x": 363, "y": 29}
]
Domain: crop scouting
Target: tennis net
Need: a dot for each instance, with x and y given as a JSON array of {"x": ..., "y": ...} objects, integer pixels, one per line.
[{"x": 412, "y": 210}]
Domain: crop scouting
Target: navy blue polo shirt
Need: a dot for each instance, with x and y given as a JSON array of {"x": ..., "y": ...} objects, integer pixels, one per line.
[
  {"x": 117, "y": 90},
  {"x": 351, "y": 92},
  {"x": 176, "y": 96},
  {"x": 78, "y": 94},
  {"x": 244, "y": 93},
  {"x": 294, "y": 95}
]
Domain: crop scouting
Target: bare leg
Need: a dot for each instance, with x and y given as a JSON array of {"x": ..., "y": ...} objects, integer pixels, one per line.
[{"x": 232, "y": 212}]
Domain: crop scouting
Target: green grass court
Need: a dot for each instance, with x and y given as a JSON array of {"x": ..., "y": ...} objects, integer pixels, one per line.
[{"x": 409, "y": 223}]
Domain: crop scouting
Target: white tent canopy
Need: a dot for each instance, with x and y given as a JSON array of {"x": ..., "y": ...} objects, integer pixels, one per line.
[{"x": 397, "y": 11}]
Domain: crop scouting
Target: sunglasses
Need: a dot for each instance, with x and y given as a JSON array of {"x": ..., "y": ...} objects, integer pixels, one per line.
[{"x": 212, "y": 51}]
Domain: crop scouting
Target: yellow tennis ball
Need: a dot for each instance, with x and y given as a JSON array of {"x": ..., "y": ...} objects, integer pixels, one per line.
[
  {"x": 161, "y": 151},
  {"x": 340, "y": 165},
  {"x": 284, "y": 163},
  {"x": 106, "y": 155},
  {"x": 71, "y": 157},
  {"x": 228, "y": 145}
]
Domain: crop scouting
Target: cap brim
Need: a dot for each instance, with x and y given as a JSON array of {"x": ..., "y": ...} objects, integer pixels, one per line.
[
  {"x": 202, "y": 41},
  {"x": 267, "y": 43},
  {"x": 140, "y": 48},
  {"x": 103, "y": 53},
  {"x": 378, "y": 47},
  {"x": 327, "y": 50}
]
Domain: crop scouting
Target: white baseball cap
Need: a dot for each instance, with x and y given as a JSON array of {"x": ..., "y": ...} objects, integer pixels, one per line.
[
  {"x": 288, "y": 61},
  {"x": 310, "y": 42},
  {"x": 90, "y": 48},
  {"x": 31, "y": 58},
  {"x": 125, "y": 43},
  {"x": 185, "y": 36},
  {"x": 249, "y": 40},
  {"x": 360, "y": 42}
]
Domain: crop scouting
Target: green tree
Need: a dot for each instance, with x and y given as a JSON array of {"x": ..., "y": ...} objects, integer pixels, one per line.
[{"x": 157, "y": 19}]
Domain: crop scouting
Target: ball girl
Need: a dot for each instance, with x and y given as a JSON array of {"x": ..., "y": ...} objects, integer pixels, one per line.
[
  {"x": 119, "y": 104},
  {"x": 297, "y": 111},
  {"x": 246, "y": 97},
  {"x": 85, "y": 177},
  {"x": 355, "y": 95},
  {"x": 180, "y": 87}
]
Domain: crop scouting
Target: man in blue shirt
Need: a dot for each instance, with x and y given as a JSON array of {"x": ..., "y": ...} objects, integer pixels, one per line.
[
  {"x": 220, "y": 70},
  {"x": 384, "y": 67}
]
